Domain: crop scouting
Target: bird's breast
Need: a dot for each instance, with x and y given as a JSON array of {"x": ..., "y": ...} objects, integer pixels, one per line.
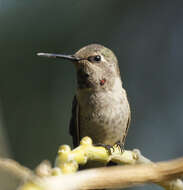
[{"x": 103, "y": 115}]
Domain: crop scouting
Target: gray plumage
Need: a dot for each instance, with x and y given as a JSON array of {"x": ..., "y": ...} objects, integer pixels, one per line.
[{"x": 100, "y": 110}]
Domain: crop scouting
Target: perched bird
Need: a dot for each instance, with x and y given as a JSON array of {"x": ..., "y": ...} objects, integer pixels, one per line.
[{"x": 100, "y": 107}]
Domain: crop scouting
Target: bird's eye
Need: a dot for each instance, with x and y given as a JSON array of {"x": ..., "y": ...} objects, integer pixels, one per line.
[{"x": 96, "y": 58}]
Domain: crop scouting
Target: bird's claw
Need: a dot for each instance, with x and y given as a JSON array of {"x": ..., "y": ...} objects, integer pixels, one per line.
[{"x": 120, "y": 146}]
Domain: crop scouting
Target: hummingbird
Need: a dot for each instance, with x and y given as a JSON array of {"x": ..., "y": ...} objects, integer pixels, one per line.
[{"x": 100, "y": 107}]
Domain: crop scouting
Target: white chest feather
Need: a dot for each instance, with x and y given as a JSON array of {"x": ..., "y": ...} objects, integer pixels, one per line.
[
  {"x": 104, "y": 115},
  {"x": 103, "y": 104}
]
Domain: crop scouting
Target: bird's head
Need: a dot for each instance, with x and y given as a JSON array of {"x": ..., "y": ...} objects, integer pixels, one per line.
[{"x": 96, "y": 66}]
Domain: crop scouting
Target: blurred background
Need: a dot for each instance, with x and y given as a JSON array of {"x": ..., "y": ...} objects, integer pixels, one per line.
[{"x": 36, "y": 93}]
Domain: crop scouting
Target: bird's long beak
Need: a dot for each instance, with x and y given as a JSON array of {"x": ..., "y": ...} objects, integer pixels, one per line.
[{"x": 61, "y": 56}]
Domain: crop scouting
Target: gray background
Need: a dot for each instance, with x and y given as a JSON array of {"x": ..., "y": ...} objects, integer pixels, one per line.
[{"x": 36, "y": 93}]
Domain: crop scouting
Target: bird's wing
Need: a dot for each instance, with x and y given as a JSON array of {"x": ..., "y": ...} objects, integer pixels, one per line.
[
  {"x": 74, "y": 123},
  {"x": 127, "y": 127}
]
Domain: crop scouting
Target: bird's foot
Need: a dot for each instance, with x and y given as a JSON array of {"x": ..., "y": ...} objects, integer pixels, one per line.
[
  {"x": 120, "y": 146},
  {"x": 109, "y": 148}
]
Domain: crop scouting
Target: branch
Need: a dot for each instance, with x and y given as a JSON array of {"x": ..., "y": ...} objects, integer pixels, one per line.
[
  {"x": 162, "y": 173},
  {"x": 141, "y": 171},
  {"x": 14, "y": 168},
  {"x": 165, "y": 174}
]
